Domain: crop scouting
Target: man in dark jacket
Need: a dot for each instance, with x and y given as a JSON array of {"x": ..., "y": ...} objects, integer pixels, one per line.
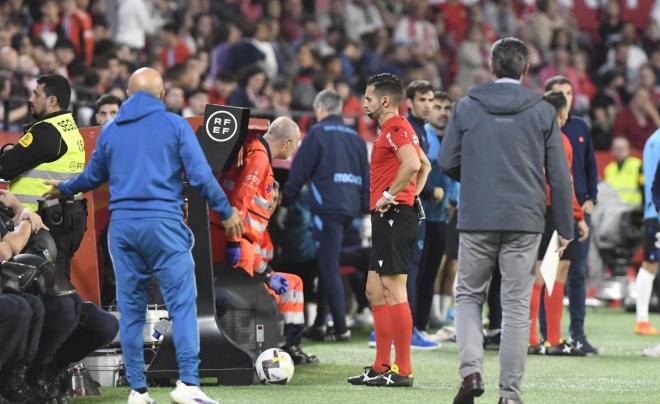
[
  {"x": 333, "y": 158},
  {"x": 503, "y": 137},
  {"x": 585, "y": 181}
]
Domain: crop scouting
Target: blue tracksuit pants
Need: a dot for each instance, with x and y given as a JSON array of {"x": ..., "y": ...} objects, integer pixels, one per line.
[
  {"x": 161, "y": 248},
  {"x": 329, "y": 230}
]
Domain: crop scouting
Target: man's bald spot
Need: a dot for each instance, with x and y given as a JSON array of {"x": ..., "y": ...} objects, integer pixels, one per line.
[
  {"x": 146, "y": 79},
  {"x": 284, "y": 128}
]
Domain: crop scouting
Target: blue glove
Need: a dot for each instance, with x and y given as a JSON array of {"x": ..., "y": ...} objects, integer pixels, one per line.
[
  {"x": 233, "y": 253},
  {"x": 279, "y": 284}
]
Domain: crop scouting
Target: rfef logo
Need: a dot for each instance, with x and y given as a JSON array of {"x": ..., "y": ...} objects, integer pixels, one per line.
[{"x": 221, "y": 126}]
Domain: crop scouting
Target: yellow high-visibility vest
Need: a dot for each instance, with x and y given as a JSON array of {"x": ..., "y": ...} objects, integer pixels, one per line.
[
  {"x": 626, "y": 180},
  {"x": 30, "y": 187}
]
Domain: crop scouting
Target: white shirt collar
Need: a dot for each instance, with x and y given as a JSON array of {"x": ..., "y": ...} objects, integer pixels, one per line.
[{"x": 507, "y": 80}]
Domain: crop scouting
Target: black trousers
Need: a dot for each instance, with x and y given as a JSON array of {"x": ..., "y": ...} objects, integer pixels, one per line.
[
  {"x": 15, "y": 318},
  {"x": 67, "y": 223},
  {"x": 96, "y": 328},
  {"x": 434, "y": 247},
  {"x": 61, "y": 319}
]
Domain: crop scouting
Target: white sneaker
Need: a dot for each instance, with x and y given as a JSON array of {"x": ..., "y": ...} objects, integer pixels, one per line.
[
  {"x": 652, "y": 352},
  {"x": 136, "y": 398},
  {"x": 363, "y": 319},
  {"x": 184, "y": 394}
]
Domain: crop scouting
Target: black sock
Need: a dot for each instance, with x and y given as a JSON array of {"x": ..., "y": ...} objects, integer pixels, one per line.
[
  {"x": 141, "y": 390},
  {"x": 189, "y": 384}
]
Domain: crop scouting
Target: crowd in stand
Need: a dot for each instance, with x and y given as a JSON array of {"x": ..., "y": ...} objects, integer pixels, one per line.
[{"x": 275, "y": 55}]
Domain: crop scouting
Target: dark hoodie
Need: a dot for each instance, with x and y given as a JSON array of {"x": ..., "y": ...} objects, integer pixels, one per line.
[{"x": 501, "y": 142}]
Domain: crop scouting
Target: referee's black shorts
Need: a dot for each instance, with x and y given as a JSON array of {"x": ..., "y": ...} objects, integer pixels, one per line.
[{"x": 393, "y": 235}]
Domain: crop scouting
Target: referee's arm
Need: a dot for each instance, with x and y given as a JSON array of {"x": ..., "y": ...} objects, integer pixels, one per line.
[
  {"x": 423, "y": 173},
  {"x": 410, "y": 165}
]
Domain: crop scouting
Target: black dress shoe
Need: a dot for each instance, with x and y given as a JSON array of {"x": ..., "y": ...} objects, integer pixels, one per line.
[
  {"x": 472, "y": 386},
  {"x": 504, "y": 400}
]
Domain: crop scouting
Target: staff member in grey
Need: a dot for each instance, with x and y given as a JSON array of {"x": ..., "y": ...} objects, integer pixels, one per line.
[{"x": 503, "y": 137}]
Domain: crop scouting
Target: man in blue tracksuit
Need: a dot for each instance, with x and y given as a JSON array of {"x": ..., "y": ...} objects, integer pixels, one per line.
[
  {"x": 585, "y": 182},
  {"x": 420, "y": 98},
  {"x": 436, "y": 223},
  {"x": 142, "y": 153},
  {"x": 333, "y": 158}
]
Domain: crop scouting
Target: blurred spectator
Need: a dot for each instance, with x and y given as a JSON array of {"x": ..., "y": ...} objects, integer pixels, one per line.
[
  {"x": 637, "y": 121},
  {"x": 361, "y": 17},
  {"x": 197, "y": 101},
  {"x": 624, "y": 174},
  {"x": 107, "y": 107},
  {"x": 544, "y": 22},
  {"x": 48, "y": 64},
  {"x": 611, "y": 24},
  {"x": 352, "y": 112},
  {"x": 134, "y": 21},
  {"x": 48, "y": 29},
  {"x": 175, "y": 50},
  {"x": 77, "y": 25},
  {"x": 648, "y": 80},
  {"x": 263, "y": 42},
  {"x": 304, "y": 87},
  {"x": 501, "y": 16},
  {"x": 66, "y": 56},
  {"x": 561, "y": 66},
  {"x": 174, "y": 100},
  {"x": 587, "y": 87},
  {"x": 416, "y": 32},
  {"x": 472, "y": 58},
  {"x": 282, "y": 99},
  {"x": 221, "y": 89},
  {"x": 226, "y": 35},
  {"x": 248, "y": 94},
  {"x": 456, "y": 20},
  {"x": 609, "y": 96}
]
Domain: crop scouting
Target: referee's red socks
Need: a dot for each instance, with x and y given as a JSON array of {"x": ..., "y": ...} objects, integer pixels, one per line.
[
  {"x": 383, "y": 329},
  {"x": 402, "y": 326},
  {"x": 534, "y": 306},
  {"x": 554, "y": 306}
]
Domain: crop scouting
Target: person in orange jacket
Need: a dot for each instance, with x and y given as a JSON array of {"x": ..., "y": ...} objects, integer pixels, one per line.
[
  {"x": 287, "y": 289},
  {"x": 249, "y": 185}
]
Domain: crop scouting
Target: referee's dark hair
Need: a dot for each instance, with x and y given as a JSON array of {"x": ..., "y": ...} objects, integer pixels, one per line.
[
  {"x": 387, "y": 84},
  {"x": 509, "y": 57},
  {"x": 556, "y": 81},
  {"x": 441, "y": 96},
  {"x": 557, "y": 99},
  {"x": 418, "y": 87},
  {"x": 57, "y": 86},
  {"x": 108, "y": 99}
]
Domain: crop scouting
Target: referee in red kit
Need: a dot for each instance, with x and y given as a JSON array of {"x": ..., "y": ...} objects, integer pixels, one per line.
[{"x": 398, "y": 173}]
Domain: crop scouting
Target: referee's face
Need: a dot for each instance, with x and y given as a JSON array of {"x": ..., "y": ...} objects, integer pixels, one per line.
[{"x": 372, "y": 104}]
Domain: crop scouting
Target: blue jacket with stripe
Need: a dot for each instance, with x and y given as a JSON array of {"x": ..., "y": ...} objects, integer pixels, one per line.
[{"x": 333, "y": 158}]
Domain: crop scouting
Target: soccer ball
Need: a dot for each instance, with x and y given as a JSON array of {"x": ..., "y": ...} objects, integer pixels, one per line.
[{"x": 274, "y": 366}]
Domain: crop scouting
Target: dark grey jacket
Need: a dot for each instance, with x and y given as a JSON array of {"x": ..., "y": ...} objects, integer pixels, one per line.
[{"x": 501, "y": 142}]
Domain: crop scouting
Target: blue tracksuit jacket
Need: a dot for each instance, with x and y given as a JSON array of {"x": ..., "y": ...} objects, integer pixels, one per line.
[
  {"x": 143, "y": 161},
  {"x": 333, "y": 158}
]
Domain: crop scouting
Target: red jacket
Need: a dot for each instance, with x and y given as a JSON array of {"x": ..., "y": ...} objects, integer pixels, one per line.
[
  {"x": 78, "y": 28},
  {"x": 578, "y": 214},
  {"x": 173, "y": 55}
]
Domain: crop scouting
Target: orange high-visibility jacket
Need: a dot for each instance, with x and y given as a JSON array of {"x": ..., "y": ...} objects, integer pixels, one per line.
[{"x": 249, "y": 187}]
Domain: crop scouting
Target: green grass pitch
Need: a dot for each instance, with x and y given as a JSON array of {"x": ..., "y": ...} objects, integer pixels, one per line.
[{"x": 618, "y": 375}]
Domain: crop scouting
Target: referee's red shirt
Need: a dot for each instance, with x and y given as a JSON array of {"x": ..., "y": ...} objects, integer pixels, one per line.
[{"x": 395, "y": 133}]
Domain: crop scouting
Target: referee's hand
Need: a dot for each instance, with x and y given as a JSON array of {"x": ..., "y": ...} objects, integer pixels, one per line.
[
  {"x": 234, "y": 225},
  {"x": 383, "y": 205}
]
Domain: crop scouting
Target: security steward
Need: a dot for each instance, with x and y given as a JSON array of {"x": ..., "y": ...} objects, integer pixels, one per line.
[{"x": 52, "y": 148}]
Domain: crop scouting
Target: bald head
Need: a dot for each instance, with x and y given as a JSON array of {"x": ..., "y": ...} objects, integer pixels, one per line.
[
  {"x": 148, "y": 80},
  {"x": 283, "y": 137}
]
